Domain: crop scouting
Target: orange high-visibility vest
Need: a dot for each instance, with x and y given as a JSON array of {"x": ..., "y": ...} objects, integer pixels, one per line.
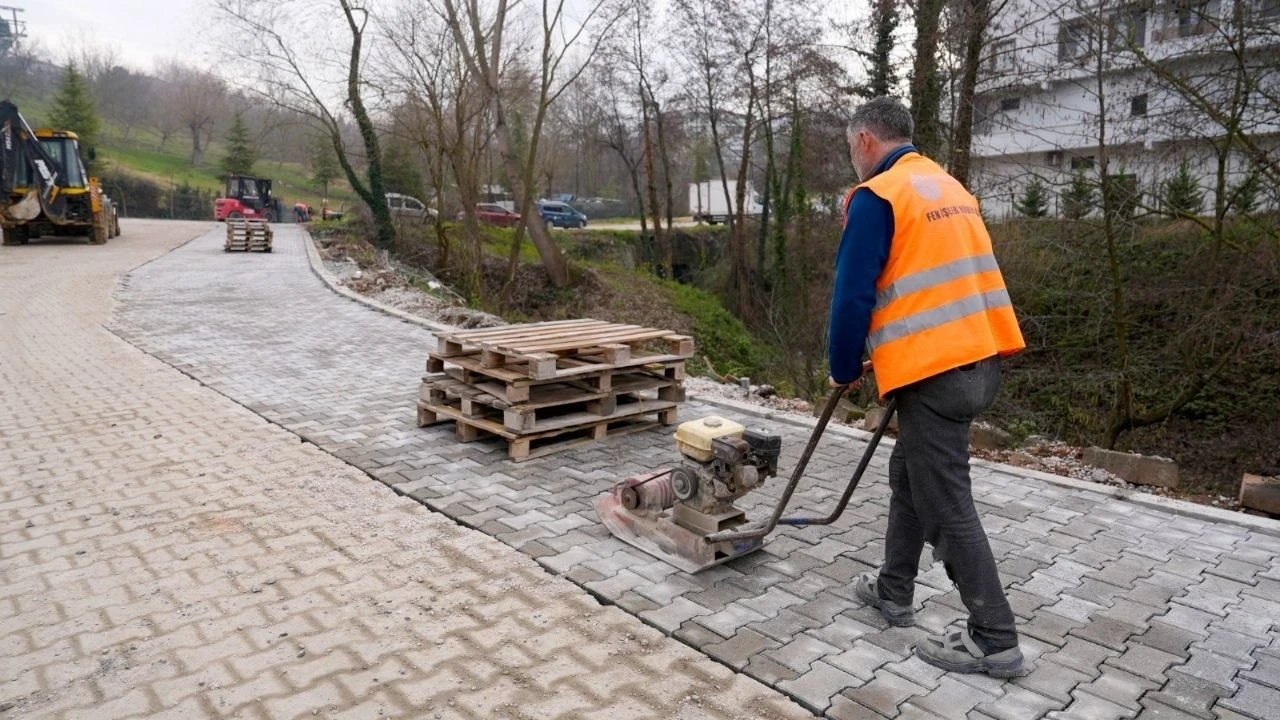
[{"x": 941, "y": 301}]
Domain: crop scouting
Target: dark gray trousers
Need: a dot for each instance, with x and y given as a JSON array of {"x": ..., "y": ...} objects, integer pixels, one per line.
[{"x": 932, "y": 500}]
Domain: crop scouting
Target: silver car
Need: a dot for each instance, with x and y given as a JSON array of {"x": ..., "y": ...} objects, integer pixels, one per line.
[{"x": 405, "y": 206}]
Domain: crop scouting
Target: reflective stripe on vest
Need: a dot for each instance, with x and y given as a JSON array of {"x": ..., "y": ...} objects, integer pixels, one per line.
[
  {"x": 932, "y": 277},
  {"x": 941, "y": 302},
  {"x": 938, "y": 316}
]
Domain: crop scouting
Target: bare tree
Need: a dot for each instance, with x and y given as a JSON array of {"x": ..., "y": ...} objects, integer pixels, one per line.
[
  {"x": 194, "y": 98},
  {"x": 480, "y": 39},
  {"x": 316, "y": 73}
]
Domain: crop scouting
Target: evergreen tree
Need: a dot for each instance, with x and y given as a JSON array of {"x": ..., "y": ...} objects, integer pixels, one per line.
[
  {"x": 1182, "y": 194},
  {"x": 1245, "y": 195},
  {"x": 400, "y": 174},
  {"x": 1078, "y": 198},
  {"x": 881, "y": 79},
  {"x": 73, "y": 109},
  {"x": 240, "y": 155},
  {"x": 324, "y": 163},
  {"x": 1035, "y": 199}
]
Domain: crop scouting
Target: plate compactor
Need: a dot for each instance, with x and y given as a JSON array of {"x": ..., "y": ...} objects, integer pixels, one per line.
[{"x": 686, "y": 515}]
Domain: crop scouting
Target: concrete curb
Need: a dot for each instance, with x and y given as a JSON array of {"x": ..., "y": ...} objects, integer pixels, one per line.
[
  {"x": 1171, "y": 505},
  {"x": 320, "y": 271}
]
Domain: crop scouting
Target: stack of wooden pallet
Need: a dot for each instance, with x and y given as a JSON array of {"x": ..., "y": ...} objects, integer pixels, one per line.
[
  {"x": 545, "y": 387},
  {"x": 244, "y": 235}
]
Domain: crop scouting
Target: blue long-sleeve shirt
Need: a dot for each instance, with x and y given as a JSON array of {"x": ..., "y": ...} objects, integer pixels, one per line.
[{"x": 864, "y": 250}]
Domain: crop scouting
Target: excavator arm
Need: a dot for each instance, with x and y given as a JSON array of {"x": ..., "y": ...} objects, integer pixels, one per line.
[{"x": 19, "y": 146}]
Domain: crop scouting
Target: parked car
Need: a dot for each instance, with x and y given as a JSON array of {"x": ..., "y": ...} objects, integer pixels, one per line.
[
  {"x": 494, "y": 214},
  {"x": 558, "y": 214},
  {"x": 405, "y": 206}
]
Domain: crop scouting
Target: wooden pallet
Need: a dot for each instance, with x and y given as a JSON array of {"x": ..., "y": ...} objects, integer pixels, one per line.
[
  {"x": 515, "y": 386},
  {"x": 556, "y": 433},
  {"x": 546, "y": 400},
  {"x": 538, "y": 349},
  {"x": 247, "y": 235}
]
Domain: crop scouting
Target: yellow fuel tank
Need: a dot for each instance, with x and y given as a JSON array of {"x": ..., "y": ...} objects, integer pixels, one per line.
[{"x": 694, "y": 437}]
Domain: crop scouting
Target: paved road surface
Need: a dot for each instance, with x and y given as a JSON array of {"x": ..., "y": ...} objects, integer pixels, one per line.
[{"x": 166, "y": 553}]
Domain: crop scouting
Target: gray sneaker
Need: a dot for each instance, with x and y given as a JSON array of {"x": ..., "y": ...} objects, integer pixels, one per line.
[
  {"x": 868, "y": 591},
  {"x": 957, "y": 652}
]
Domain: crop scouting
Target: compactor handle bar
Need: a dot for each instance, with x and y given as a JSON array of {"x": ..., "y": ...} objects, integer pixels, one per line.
[{"x": 756, "y": 530}]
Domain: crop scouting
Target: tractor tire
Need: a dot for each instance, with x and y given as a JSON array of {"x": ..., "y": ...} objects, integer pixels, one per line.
[
  {"x": 16, "y": 235},
  {"x": 98, "y": 235}
]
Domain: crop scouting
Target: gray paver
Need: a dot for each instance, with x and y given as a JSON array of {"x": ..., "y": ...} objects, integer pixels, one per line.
[
  {"x": 1084, "y": 567},
  {"x": 885, "y": 692}
]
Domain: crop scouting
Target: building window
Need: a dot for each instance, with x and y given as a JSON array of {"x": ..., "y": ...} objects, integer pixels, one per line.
[
  {"x": 1188, "y": 18},
  {"x": 1080, "y": 162},
  {"x": 1002, "y": 56},
  {"x": 1010, "y": 104},
  {"x": 1127, "y": 28},
  {"x": 1138, "y": 105},
  {"x": 1073, "y": 40},
  {"x": 1053, "y": 158}
]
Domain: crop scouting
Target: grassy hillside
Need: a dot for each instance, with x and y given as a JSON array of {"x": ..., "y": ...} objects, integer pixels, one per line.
[{"x": 141, "y": 154}]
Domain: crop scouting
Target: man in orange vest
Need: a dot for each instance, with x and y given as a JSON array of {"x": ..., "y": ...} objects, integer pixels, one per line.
[{"x": 918, "y": 286}]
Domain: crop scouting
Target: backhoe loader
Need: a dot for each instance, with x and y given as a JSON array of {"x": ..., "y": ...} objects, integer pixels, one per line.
[{"x": 44, "y": 189}]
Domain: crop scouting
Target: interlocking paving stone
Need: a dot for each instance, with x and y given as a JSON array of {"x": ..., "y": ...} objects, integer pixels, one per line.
[
  {"x": 738, "y": 650},
  {"x": 1189, "y": 694},
  {"x": 885, "y": 692},
  {"x": 1254, "y": 700},
  {"x": 166, "y": 553},
  {"x": 1120, "y": 687},
  {"x": 954, "y": 699},
  {"x": 1085, "y": 706},
  {"x": 1018, "y": 703},
  {"x": 1081, "y": 565}
]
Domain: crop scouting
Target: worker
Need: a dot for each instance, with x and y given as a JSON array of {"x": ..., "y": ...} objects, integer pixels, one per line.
[
  {"x": 917, "y": 285},
  {"x": 300, "y": 212}
]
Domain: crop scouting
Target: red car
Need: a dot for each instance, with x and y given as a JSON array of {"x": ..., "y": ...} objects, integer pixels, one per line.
[{"x": 496, "y": 215}]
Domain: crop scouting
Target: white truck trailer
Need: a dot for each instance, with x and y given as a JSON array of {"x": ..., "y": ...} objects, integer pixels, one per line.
[{"x": 708, "y": 202}]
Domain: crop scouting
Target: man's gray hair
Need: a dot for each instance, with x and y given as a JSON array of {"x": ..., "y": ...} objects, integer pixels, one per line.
[{"x": 884, "y": 117}]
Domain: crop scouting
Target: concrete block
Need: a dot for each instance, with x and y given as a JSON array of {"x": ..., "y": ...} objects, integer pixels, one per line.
[
  {"x": 872, "y": 419},
  {"x": 985, "y": 436},
  {"x": 1137, "y": 469},
  {"x": 1260, "y": 493}
]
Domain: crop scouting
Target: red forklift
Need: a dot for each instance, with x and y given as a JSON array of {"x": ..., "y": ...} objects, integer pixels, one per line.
[{"x": 247, "y": 198}]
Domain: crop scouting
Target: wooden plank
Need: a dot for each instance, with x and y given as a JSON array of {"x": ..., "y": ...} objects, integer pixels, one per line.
[
  {"x": 522, "y": 343},
  {"x": 569, "y": 368},
  {"x": 542, "y": 366},
  {"x": 615, "y": 353},
  {"x": 557, "y": 425},
  {"x": 679, "y": 345},
  {"x": 627, "y": 428},
  {"x": 584, "y": 341},
  {"x": 473, "y": 336},
  {"x": 551, "y": 395},
  {"x": 490, "y": 359}
]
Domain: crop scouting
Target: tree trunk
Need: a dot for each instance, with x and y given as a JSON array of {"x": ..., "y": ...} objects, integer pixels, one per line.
[
  {"x": 552, "y": 259},
  {"x": 197, "y": 152},
  {"x": 926, "y": 84},
  {"x": 741, "y": 268},
  {"x": 659, "y": 237},
  {"x": 976, "y": 21},
  {"x": 666, "y": 177},
  {"x": 374, "y": 195}
]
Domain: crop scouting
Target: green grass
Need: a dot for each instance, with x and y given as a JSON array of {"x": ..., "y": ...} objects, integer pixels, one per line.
[{"x": 140, "y": 155}]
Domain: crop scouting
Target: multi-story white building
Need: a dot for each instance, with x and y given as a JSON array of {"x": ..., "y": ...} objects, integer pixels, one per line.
[{"x": 1152, "y": 84}]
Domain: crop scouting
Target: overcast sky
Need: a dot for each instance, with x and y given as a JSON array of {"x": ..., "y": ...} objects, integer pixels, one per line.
[{"x": 140, "y": 31}]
